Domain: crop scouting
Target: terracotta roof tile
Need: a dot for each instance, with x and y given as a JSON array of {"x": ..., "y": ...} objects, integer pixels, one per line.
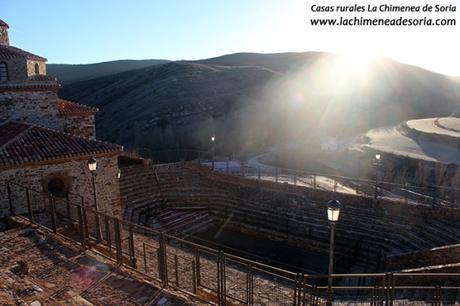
[
  {"x": 13, "y": 52},
  {"x": 68, "y": 108},
  {"x": 22, "y": 144}
]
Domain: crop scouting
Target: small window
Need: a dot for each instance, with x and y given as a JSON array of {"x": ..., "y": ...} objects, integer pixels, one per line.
[
  {"x": 37, "y": 69},
  {"x": 3, "y": 72}
]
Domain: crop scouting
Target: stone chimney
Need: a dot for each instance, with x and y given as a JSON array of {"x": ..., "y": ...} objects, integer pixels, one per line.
[{"x": 4, "y": 40}]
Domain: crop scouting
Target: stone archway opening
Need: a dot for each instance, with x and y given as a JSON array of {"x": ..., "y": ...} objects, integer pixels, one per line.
[{"x": 58, "y": 188}]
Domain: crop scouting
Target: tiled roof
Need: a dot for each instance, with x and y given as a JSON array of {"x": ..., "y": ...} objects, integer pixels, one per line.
[
  {"x": 4, "y": 24},
  {"x": 69, "y": 108},
  {"x": 13, "y": 52},
  {"x": 23, "y": 144}
]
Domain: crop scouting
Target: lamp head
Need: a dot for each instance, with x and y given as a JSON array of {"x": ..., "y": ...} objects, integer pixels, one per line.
[
  {"x": 378, "y": 156},
  {"x": 333, "y": 210},
  {"x": 118, "y": 173},
  {"x": 92, "y": 164},
  {"x": 213, "y": 138}
]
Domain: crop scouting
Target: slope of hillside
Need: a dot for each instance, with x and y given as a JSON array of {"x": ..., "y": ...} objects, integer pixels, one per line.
[
  {"x": 73, "y": 73},
  {"x": 171, "y": 104},
  {"x": 253, "y": 100},
  {"x": 281, "y": 62}
]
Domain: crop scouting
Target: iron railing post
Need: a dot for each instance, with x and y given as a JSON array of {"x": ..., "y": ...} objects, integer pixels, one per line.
[
  {"x": 52, "y": 213},
  {"x": 163, "y": 265},
  {"x": 118, "y": 246},
  {"x": 132, "y": 254},
  {"x": 85, "y": 219},
  {"x": 198, "y": 272},
  {"x": 107, "y": 234},
  {"x": 145, "y": 257},
  {"x": 276, "y": 174},
  {"x": 67, "y": 201},
  {"x": 10, "y": 199},
  {"x": 81, "y": 227},
  {"x": 249, "y": 284},
  {"x": 176, "y": 270},
  {"x": 193, "y": 277},
  {"x": 29, "y": 206}
]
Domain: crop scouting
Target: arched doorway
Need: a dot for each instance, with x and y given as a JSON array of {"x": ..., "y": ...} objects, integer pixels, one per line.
[{"x": 57, "y": 188}]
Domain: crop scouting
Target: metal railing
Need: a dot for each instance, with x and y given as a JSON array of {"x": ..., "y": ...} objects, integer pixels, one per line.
[
  {"x": 426, "y": 195},
  {"x": 409, "y": 193},
  {"x": 210, "y": 274}
]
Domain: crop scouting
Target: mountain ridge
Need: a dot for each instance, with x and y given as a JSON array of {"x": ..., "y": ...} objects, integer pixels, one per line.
[
  {"x": 255, "y": 101},
  {"x": 71, "y": 73}
]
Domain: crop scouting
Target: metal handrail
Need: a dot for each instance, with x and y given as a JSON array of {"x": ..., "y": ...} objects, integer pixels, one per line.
[{"x": 386, "y": 280}]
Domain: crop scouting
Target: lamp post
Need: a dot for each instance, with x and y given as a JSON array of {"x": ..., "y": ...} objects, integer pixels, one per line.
[
  {"x": 92, "y": 166},
  {"x": 333, "y": 212},
  {"x": 213, "y": 140},
  {"x": 377, "y": 163}
]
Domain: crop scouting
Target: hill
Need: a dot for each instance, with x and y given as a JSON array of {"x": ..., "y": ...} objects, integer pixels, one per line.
[
  {"x": 281, "y": 62},
  {"x": 73, "y": 73},
  {"x": 177, "y": 104},
  {"x": 256, "y": 100}
]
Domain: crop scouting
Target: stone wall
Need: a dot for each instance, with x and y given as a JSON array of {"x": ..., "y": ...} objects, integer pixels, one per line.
[
  {"x": 437, "y": 256},
  {"x": 4, "y": 40},
  {"x": 76, "y": 179},
  {"x": 35, "y": 107},
  {"x": 31, "y": 67},
  {"x": 83, "y": 126},
  {"x": 17, "y": 68}
]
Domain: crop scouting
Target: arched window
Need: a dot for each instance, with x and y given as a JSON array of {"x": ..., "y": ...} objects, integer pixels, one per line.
[
  {"x": 3, "y": 72},
  {"x": 37, "y": 69}
]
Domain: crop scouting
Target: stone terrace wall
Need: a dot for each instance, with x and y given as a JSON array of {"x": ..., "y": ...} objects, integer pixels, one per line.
[
  {"x": 74, "y": 174},
  {"x": 437, "y": 256},
  {"x": 297, "y": 215},
  {"x": 392, "y": 207}
]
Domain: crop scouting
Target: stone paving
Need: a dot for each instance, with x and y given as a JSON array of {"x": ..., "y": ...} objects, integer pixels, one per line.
[{"x": 37, "y": 269}]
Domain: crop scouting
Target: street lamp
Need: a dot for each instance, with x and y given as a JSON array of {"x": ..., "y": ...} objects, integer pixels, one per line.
[
  {"x": 118, "y": 173},
  {"x": 333, "y": 213},
  {"x": 213, "y": 139},
  {"x": 377, "y": 163},
  {"x": 92, "y": 166}
]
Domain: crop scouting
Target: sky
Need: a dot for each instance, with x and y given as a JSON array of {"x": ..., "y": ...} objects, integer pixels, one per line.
[{"x": 89, "y": 31}]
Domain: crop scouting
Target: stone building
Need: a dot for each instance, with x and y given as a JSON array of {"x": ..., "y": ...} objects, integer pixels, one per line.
[
  {"x": 27, "y": 94},
  {"x": 45, "y": 141}
]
